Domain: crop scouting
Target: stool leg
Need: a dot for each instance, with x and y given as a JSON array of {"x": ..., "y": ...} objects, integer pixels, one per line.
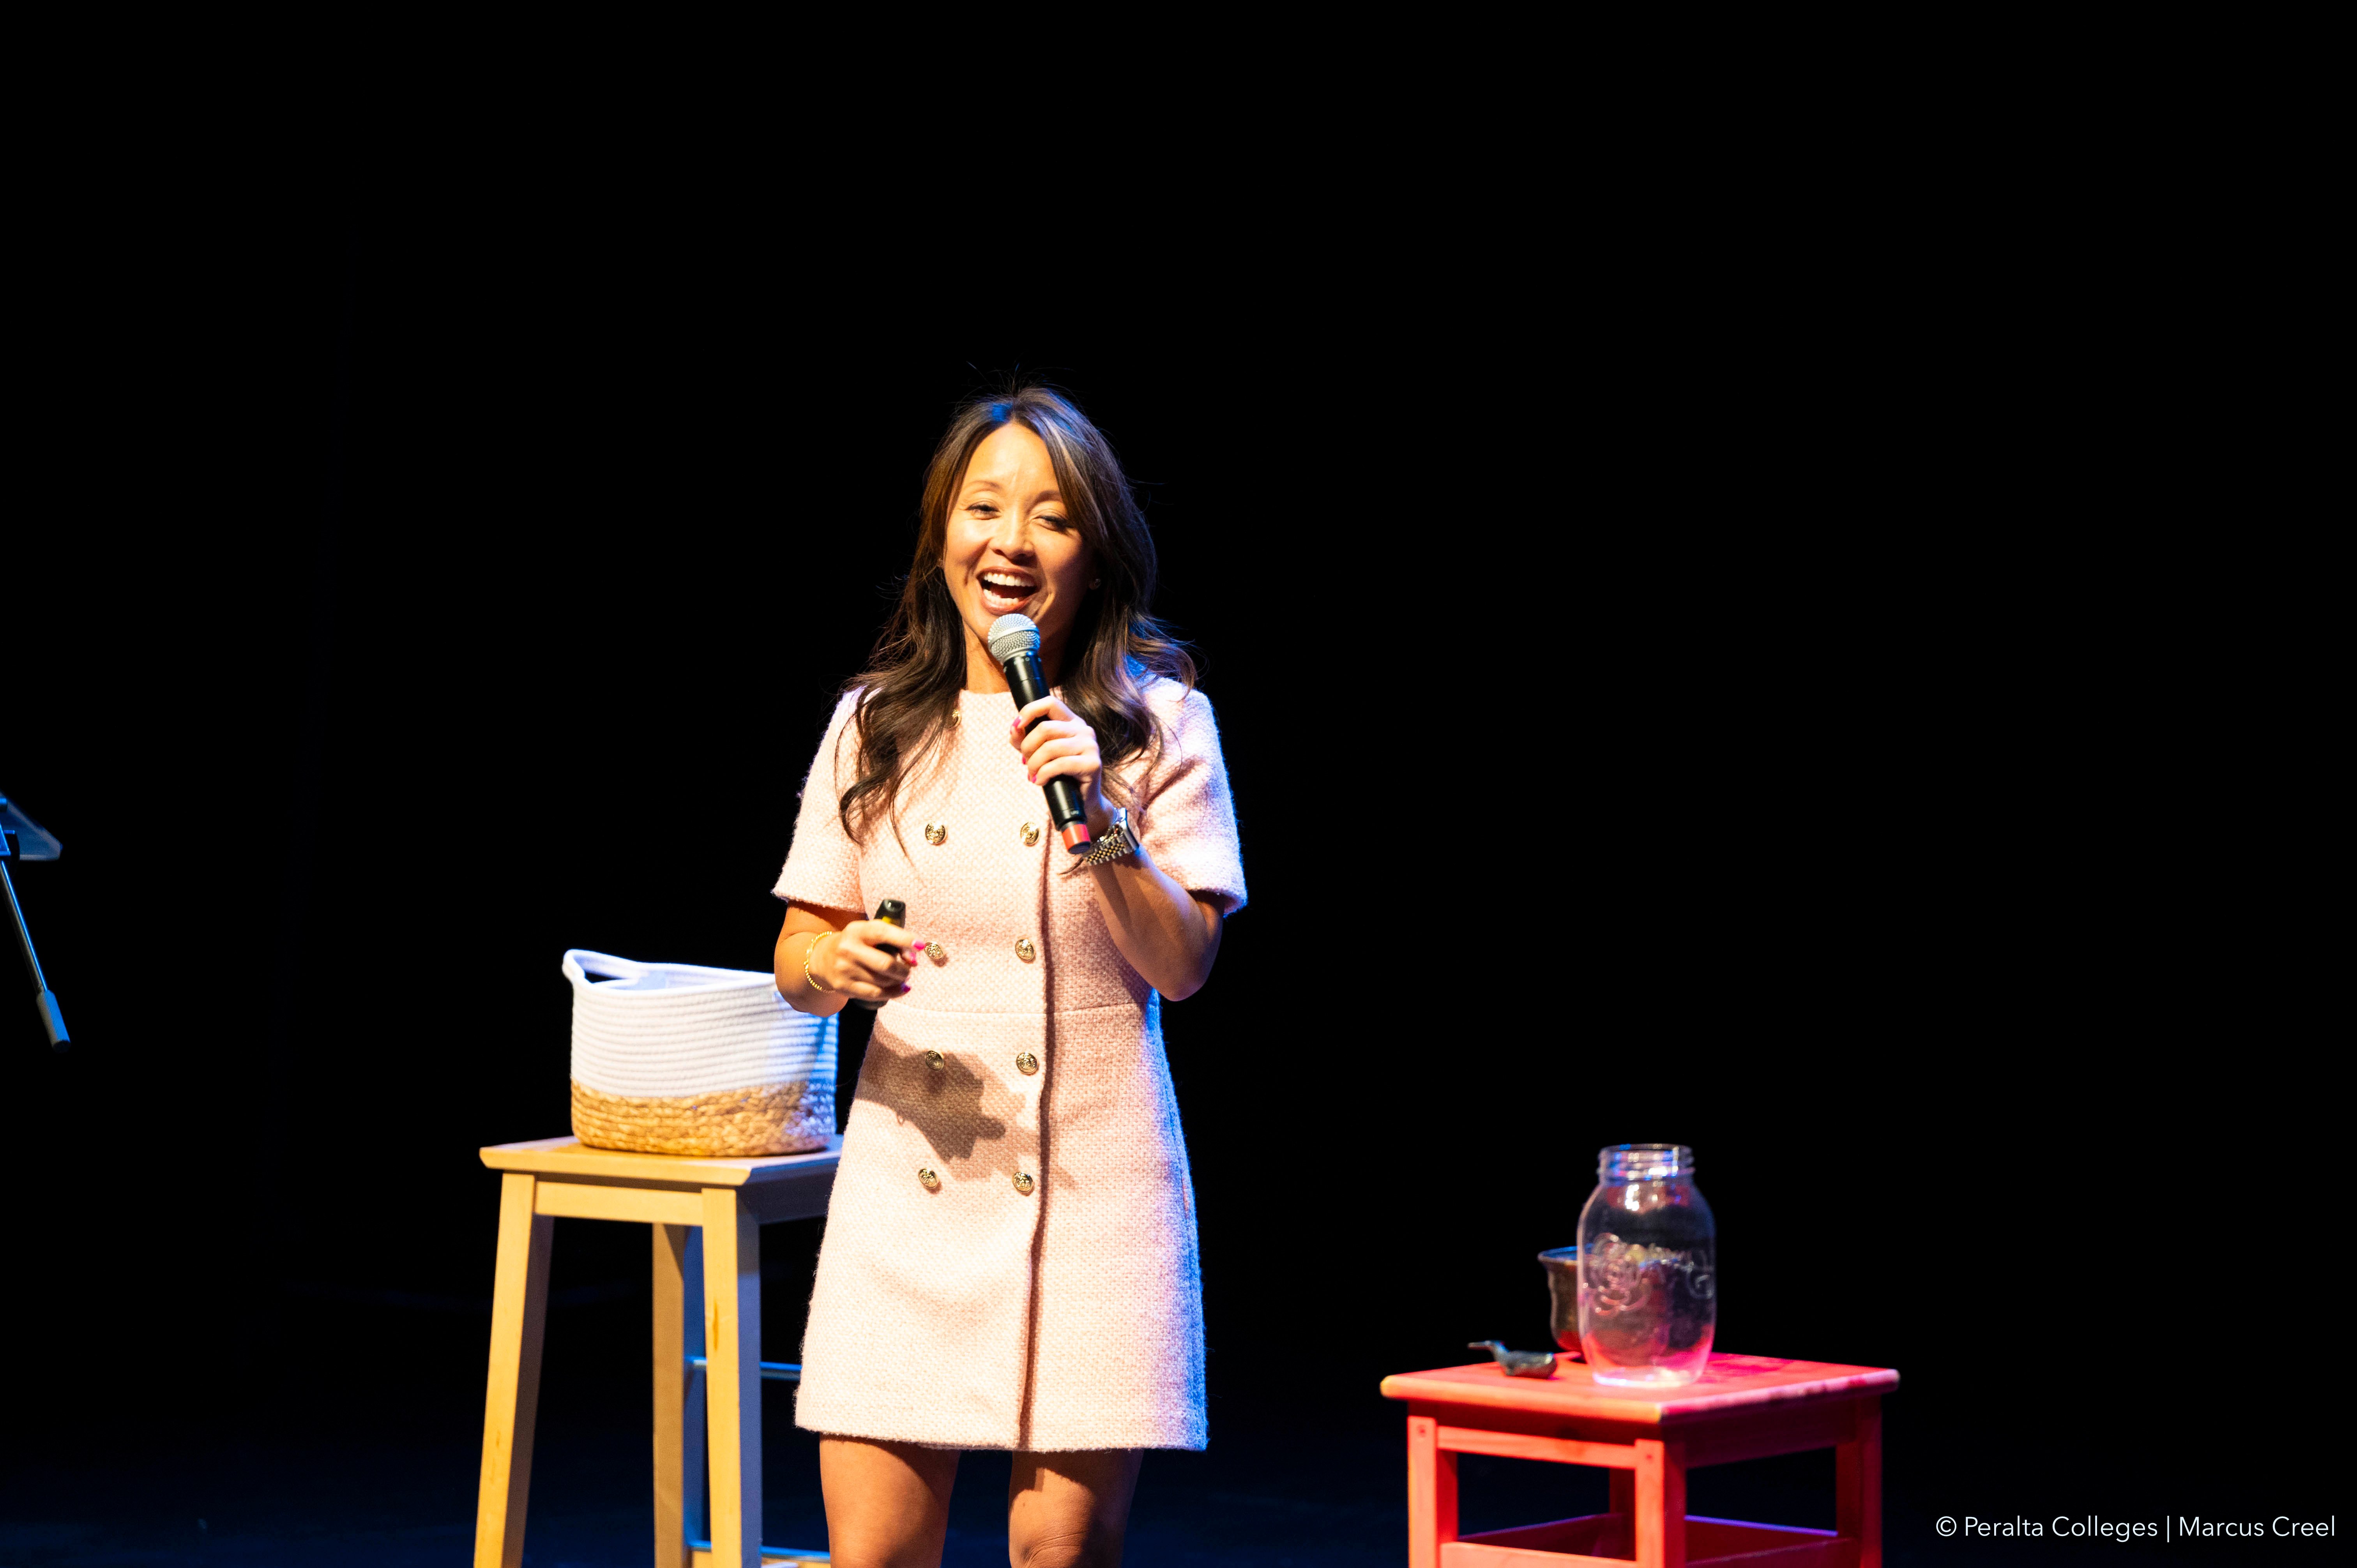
[
  {"x": 1858, "y": 1485},
  {"x": 672, "y": 1480},
  {"x": 519, "y": 1313},
  {"x": 1431, "y": 1493},
  {"x": 1622, "y": 1494},
  {"x": 732, "y": 1385},
  {"x": 1661, "y": 1504},
  {"x": 695, "y": 1419}
]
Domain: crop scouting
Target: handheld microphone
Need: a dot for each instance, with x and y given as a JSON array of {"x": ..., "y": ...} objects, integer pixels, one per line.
[{"x": 1015, "y": 643}]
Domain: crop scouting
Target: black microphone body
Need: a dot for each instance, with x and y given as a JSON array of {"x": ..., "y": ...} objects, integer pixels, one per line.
[{"x": 1029, "y": 684}]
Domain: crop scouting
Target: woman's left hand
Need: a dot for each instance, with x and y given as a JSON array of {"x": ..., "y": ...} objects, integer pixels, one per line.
[{"x": 1061, "y": 747}]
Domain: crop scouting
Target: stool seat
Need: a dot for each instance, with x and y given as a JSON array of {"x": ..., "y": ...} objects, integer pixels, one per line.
[
  {"x": 705, "y": 1214},
  {"x": 1742, "y": 1407}
]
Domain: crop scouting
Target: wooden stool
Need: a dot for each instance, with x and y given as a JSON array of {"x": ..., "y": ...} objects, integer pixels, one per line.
[
  {"x": 727, "y": 1201},
  {"x": 1743, "y": 1407}
]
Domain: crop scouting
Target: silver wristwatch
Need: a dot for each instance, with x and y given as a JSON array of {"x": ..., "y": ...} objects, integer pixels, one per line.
[{"x": 1114, "y": 844}]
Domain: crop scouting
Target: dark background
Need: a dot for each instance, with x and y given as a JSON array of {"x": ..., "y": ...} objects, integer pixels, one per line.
[{"x": 1761, "y": 714}]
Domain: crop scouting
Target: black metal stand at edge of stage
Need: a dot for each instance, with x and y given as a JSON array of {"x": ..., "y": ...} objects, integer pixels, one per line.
[{"x": 39, "y": 845}]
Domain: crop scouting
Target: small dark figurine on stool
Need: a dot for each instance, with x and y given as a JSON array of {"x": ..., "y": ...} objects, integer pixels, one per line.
[{"x": 1518, "y": 1363}]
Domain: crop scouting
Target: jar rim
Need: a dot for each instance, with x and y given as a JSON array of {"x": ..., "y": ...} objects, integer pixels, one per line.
[{"x": 1644, "y": 1162}]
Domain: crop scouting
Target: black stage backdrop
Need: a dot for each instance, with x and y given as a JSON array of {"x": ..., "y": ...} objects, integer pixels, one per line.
[{"x": 1728, "y": 714}]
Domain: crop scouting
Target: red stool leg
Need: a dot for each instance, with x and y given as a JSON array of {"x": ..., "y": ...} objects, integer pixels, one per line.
[
  {"x": 1621, "y": 1540},
  {"x": 1858, "y": 1485},
  {"x": 1661, "y": 1504},
  {"x": 1431, "y": 1493}
]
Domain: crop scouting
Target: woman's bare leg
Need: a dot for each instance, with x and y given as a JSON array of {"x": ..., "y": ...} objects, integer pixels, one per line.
[
  {"x": 887, "y": 1504},
  {"x": 1070, "y": 1510}
]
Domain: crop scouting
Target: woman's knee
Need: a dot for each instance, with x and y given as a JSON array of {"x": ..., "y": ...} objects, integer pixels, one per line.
[
  {"x": 1069, "y": 1510},
  {"x": 1083, "y": 1545}
]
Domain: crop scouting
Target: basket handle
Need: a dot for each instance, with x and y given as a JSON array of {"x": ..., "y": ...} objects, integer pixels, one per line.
[{"x": 580, "y": 964}]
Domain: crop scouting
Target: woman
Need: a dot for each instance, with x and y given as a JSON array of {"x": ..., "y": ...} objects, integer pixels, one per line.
[{"x": 1010, "y": 1257}]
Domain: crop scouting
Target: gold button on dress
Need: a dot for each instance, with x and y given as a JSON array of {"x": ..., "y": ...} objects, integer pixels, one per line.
[
  {"x": 1027, "y": 1064},
  {"x": 936, "y": 832},
  {"x": 1023, "y": 1183},
  {"x": 928, "y": 1179},
  {"x": 935, "y": 1060},
  {"x": 1030, "y": 834},
  {"x": 1024, "y": 950},
  {"x": 938, "y": 951}
]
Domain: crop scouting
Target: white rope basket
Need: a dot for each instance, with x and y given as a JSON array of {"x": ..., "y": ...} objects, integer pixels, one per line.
[{"x": 674, "y": 1058}]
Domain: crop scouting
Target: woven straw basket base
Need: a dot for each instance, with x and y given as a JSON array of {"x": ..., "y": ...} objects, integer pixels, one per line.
[{"x": 767, "y": 1119}]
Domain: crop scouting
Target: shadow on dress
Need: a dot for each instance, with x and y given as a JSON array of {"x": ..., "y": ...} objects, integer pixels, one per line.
[{"x": 956, "y": 1109}]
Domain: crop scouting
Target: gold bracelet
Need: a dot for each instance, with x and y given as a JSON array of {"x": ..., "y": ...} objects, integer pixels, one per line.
[{"x": 808, "y": 978}]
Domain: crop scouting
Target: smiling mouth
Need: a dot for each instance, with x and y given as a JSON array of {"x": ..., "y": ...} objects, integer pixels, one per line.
[{"x": 1007, "y": 593}]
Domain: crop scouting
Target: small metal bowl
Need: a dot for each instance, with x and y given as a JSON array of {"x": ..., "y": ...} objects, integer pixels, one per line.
[{"x": 1563, "y": 1286}]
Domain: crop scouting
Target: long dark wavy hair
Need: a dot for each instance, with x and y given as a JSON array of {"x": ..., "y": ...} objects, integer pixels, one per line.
[{"x": 1116, "y": 646}]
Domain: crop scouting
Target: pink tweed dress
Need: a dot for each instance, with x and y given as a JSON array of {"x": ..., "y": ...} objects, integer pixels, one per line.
[{"x": 986, "y": 1310}]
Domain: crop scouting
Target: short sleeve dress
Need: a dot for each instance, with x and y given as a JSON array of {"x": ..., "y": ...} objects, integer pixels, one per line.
[{"x": 1010, "y": 1254}]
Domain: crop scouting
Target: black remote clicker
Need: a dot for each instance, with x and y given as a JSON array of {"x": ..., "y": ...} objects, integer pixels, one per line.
[{"x": 892, "y": 912}]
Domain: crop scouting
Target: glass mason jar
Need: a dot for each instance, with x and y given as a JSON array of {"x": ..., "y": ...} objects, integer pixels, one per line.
[{"x": 1648, "y": 1269}]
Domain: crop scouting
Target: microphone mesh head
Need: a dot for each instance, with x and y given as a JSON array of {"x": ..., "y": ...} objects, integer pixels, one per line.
[{"x": 1011, "y": 635}]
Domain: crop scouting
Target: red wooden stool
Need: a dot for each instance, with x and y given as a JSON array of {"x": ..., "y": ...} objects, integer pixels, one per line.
[{"x": 1743, "y": 1407}]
